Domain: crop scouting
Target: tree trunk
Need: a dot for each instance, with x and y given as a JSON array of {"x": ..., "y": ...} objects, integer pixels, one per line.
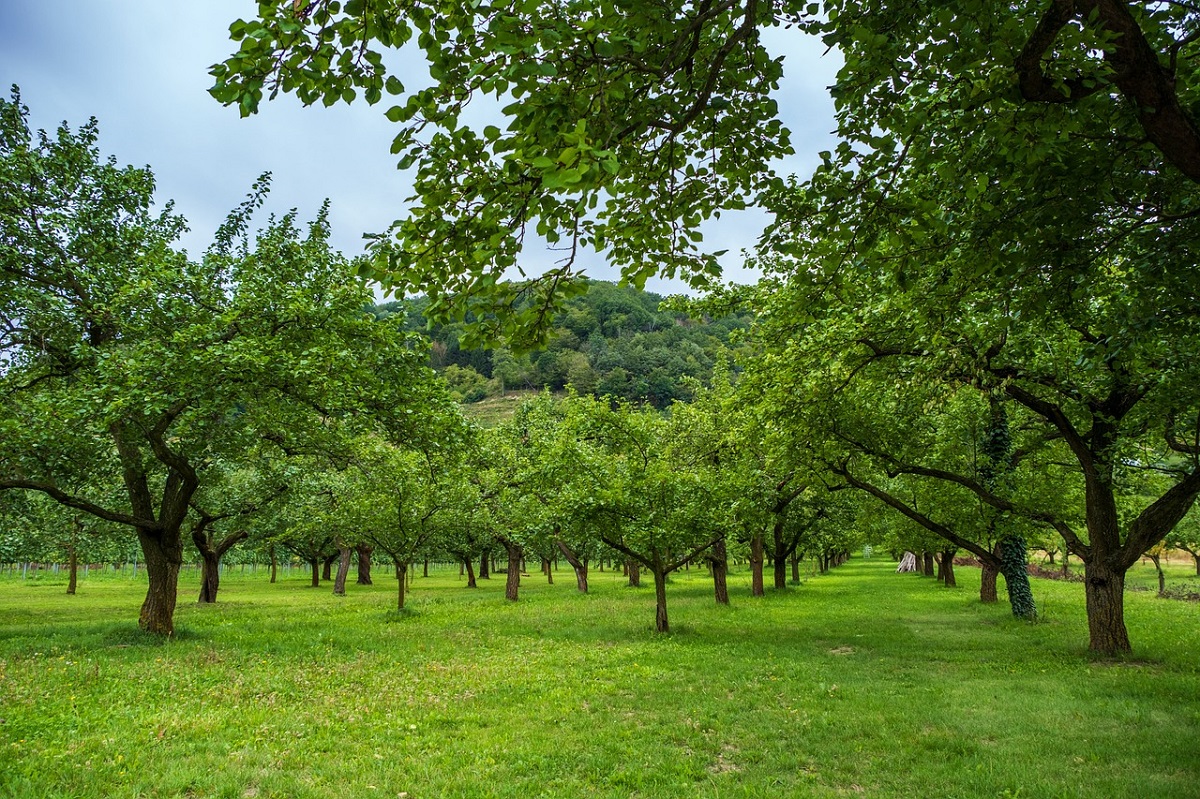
[
  {"x": 163, "y": 555},
  {"x": 210, "y": 576},
  {"x": 73, "y": 567},
  {"x": 795, "y": 569},
  {"x": 660, "y": 599},
  {"x": 425, "y": 568},
  {"x": 1016, "y": 577},
  {"x": 580, "y": 565},
  {"x": 513, "y": 583},
  {"x": 401, "y": 574},
  {"x": 987, "y": 582},
  {"x": 719, "y": 563},
  {"x": 327, "y": 567},
  {"x": 940, "y": 559},
  {"x": 364, "y": 563},
  {"x": 548, "y": 570},
  {"x": 635, "y": 573},
  {"x": 470, "y": 567},
  {"x": 274, "y": 562},
  {"x": 316, "y": 573},
  {"x": 1162, "y": 583},
  {"x": 780, "y": 573},
  {"x": 339, "y": 584},
  {"x": 948, "y": 568},
  {"x": 927, "y": 559},
  {"x": 1104, "y": 589},
  {"x": 756, "y": 565}
]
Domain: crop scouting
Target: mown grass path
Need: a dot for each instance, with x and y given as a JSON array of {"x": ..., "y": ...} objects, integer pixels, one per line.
[{"x": 860, "y": 682}]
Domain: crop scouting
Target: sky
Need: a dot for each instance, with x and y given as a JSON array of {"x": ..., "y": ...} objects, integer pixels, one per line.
[{"x": 141, "y": 68}]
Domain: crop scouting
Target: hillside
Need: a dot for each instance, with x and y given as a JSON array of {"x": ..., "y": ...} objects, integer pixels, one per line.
[{"x": 613, "y": 340}]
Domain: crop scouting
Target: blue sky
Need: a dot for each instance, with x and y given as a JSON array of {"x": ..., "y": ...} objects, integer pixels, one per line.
[{"x": 141, "y": 68}]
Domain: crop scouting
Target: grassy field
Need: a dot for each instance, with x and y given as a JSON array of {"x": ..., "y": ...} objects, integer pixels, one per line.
[{"x": 857, "y": 683}]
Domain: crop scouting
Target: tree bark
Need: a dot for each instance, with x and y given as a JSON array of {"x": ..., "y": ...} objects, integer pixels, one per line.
[
  {"x": 1162, "y": 583},
  {"x": 470, "y": 567},
  {"x": 162, "y": 553},
  {"x": 364, "y": 563},
  {"x": 660, "y": 599},
  {"x": 547, "y": 569},
  {"x": 1104, "y": 589},
  {"x": 513, "y": 583},
  {"x": 73, "y": 569},
  {"x": 719, "y": 563},
  {"x": 316, "y": 573},
  {"x": 987, "y": 582},
  {"x": 795, "y": 569},
  {"x": 401, "y": 574},
  {"x": 635, "y": 573},
  {"x": 339, "y": 583},
  {"x": 780, "y": 573},
  {"x": 327, "y": 567},
  {"x": 211, "y": 553},
  {"x": 425, "y": 568},
  {"x": 274, "y": 562},
  {"x": 927, "y": 560},
  {"x": 948, "y": 568},
  {"x": 756, "y": 565},
  {"x": 580, "y": 565}
]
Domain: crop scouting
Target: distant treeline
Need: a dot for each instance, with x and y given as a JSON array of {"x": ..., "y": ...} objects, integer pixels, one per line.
[{"x": 612, "y": 340}]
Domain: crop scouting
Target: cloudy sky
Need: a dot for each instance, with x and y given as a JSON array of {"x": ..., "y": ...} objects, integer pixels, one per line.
[{"x": 141, "y": 68}]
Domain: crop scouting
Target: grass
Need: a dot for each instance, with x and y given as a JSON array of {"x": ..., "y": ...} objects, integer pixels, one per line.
[{"x": 860, "y": 682}]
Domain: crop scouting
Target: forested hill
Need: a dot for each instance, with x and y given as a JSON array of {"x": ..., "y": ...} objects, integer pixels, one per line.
[{"x": 613, "y": 340}]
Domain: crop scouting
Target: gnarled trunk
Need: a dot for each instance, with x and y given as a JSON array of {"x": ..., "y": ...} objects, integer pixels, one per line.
[
  {"x": 635, "y": 573},
  {"x": 163, "y": 555},
  {"x": 470, "y": 567}
]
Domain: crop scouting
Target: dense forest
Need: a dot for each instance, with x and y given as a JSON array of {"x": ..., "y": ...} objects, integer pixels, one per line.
[{"x": 613, "y": 340}]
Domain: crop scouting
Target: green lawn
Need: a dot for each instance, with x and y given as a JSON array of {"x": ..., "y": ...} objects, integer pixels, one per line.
[{"x": 858, "y": 683}]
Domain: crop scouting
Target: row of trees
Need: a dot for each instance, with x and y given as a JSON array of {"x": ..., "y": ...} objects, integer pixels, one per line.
[{"x": 1006, "y": 230}]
